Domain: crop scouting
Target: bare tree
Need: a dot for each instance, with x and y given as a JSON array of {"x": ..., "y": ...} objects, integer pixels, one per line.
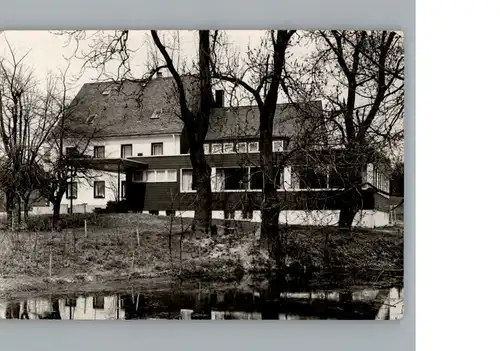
[
  {"x": 115, "y": 48},
  {"x": 360, "y": 75},
  {"x": 266, "y": 68},
  {"x": 64, "y": 165},
  {"x": 25, "y": 124}
]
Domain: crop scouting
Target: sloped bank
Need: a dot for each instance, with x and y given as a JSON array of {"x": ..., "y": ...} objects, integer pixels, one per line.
[{"x": 144, "y": 250}]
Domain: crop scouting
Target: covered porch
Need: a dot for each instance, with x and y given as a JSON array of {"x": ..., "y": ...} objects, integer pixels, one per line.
[
  {"x": 114, "y": 165},
  {"x": 116, "y": 168}
]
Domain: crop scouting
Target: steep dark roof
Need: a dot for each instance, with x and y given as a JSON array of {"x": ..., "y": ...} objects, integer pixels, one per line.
[
  {"x": 128, "y": 107},
  {"x": 243, "y": 121}
]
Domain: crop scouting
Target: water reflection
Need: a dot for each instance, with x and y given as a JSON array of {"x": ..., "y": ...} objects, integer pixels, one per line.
[{"x": 211, "y": 305}]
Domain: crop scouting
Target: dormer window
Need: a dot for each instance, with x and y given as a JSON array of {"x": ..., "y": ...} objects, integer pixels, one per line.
[
  {"x": 106, "y": 91},
  {"x": 91, "y": 118},
  {"x": 156, "y": 113}
]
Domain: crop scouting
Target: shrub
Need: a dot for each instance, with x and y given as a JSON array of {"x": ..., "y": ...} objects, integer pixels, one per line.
[
  {"x": 114, "y": 207},
  {"x": 43, "y": 223}
]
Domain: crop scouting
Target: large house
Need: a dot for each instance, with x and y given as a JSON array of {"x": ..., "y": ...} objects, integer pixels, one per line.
[{"x": 138, "y": 151}]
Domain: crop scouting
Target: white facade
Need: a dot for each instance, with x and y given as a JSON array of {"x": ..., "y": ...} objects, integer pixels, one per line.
[
  {"x": 364, "y": 218},
  {"x": 88, "y": 197},
  {"x": 141, "y": 145},
  {"x": 92, "y": 308}
]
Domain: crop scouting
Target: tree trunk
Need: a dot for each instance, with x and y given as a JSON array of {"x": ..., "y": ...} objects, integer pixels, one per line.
[
  {"x": 202, "y": 184},
  {"x": 9, "y": 206},
  {"x": 16, "y": 211},
  {"x": 272, "y": 296},
  {"x": 350, "y": 206},
  {"x": 270, "y": 207},
  {"x": 352, "y": 198},
  {"x": 56, "y": 214},
  {"x": 26, "y": 211},
  {"x": 19, "y": 212}
]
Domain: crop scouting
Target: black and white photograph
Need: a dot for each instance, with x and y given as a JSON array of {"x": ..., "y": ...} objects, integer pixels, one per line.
[{"x": 202, "y": 174}]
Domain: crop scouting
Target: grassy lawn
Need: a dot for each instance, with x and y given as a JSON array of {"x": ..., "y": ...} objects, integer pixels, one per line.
[{"x": 137, "y": 246}]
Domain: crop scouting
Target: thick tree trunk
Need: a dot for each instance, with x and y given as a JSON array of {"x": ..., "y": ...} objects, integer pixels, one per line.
[
  {"x": 16, "y": 213},
  {"x": 19, "y": 212},
  {"x": 272, "y": 295},
  {"x": 350, "y": 206},
  {"x": 202, "y": 184},
  {"x": 270, "y": 207},
  {"x": 352, "y": 198}
]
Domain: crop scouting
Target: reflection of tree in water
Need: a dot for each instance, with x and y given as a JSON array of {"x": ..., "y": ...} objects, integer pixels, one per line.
[
  {"x": 24, "y": 309},
  {"x": 271, "y": 296},
  {"x": 276, "y": 299},
  {"x": 12, "y": 310}
]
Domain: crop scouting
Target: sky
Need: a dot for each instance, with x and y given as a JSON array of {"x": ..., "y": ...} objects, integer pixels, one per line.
[{"x": 47, "y": 51}]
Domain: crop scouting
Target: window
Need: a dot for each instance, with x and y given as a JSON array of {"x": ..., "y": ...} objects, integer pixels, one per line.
[
  {"x": 98, "y": 302},
  {"x": 126, "y": 151},
  {"x": 70, "y": 151},
  {"x": 241, "y": 148},
  {"x": 279, "y": 178},
  {"x": 70, "y": 302},
  {"x": 156, "y": 113},
  {"x": 46, "y": 154},
  {"x": 253, "y": 146},
  {"x": 171, "y": 175},
  {"x": 231, "y": 179},
  {"x": 278, "y": 145},
  {"x": 216, "y": 148},
  {"x": 138, "y": 176},
  {"x": 72, "y": 192},
  {"x": 106, "y": 91},
  {"x": 206, "y": 148},
  {"x": 310, "y": 177},
  {"x": 247, "y": 213},
  {"x": 228, "y": 148},
  {"x": 218, "y": 180},
  {"x": 256, "y": 179},
  {"x": 124, "y": 189},
  {"x": 157, "y": 149},
  {"x": 187, "y": 180},
  {"x": 160, "y": 176},
  {"x": 99, "y": 151},
  {"x": 336, "y": 177},
  {"x": 229, "y": 214},
  {"x": 150, "y": 176},
  {"x": 99, "y": 190}
]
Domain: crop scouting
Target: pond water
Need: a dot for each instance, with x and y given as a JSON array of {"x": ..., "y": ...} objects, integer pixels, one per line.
[{"x": 204, "y": 304}]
